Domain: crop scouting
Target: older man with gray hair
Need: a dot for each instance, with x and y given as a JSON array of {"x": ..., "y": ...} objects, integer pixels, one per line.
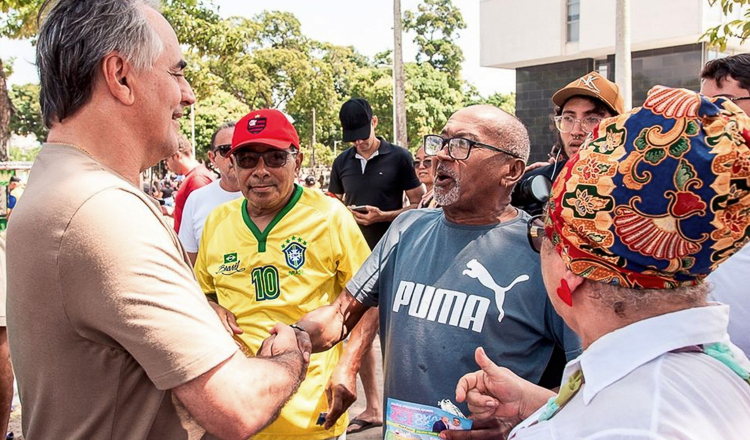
[
  {"x": 449, "y": 280},
  {"x": 110, "y": 334}
]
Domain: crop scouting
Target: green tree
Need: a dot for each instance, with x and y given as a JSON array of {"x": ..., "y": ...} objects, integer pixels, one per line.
[
  {"x": 16, "y": 154},
  {"x": 211, "y": 112},
  {"x": 18, "y": 20},
  {"x": 718, "y": 36},
  {"x": 504, "y": 101},
  {"x": 436, "y": 24},
  {"x": 27, "y": 115},
  {"x": 430, "y": 99}
]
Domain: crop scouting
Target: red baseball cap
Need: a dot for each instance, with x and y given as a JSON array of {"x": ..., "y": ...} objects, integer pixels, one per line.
[{"x": 268, "y": 127}]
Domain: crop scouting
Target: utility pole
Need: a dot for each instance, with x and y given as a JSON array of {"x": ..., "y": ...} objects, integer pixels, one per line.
[
  {"x": 623, "y": 65},
  {"x": 312, "y": 147},
  {"x": 399, "y": 98}
]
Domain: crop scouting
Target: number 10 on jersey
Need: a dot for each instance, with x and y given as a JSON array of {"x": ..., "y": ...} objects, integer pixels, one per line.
[{"x": 266, "y": 282}]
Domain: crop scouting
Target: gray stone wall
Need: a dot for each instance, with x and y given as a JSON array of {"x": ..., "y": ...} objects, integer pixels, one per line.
[
  {"x": 677, "y": 66},
  {"x": 534, "y": 89}
]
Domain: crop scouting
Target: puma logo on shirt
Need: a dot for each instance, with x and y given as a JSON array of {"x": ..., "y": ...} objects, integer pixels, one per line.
[
  {"x": 478, "y": 271},
  {"x": 452, "y": 307}
]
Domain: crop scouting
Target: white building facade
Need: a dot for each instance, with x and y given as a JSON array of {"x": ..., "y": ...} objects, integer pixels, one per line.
[{"x": 552, "y": 42}]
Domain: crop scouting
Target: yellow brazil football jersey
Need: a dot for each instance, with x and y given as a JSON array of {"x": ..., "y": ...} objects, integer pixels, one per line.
[{"x": 300, "y": 262}]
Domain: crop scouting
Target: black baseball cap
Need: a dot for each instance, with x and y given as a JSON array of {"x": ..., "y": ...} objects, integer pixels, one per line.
[{"x": 355, "y": 117}]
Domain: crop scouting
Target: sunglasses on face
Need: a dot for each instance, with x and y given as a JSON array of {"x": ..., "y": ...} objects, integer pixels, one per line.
[
  {"x": 223, "y": 149},
  {"x": 271, "y": 158},
  {"x": 427, "y": 163}
]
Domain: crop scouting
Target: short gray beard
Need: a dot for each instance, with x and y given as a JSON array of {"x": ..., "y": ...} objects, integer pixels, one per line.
[{"x": 452, "y": 196}]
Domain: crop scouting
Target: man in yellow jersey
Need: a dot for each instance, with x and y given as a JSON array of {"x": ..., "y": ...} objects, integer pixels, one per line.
[{"x": 276, "y": 254}]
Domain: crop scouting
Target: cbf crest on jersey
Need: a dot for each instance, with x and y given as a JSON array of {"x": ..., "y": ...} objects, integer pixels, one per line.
[{"x": 294, "y": 253}]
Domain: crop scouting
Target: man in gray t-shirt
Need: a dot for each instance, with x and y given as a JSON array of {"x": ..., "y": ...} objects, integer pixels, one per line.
[
  {"x": 446, "y": 289},
  {"x": 450, "y": 280}
]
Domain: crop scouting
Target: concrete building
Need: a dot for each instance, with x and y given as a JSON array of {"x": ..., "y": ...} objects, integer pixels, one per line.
[{"x": 551, "y": 42}]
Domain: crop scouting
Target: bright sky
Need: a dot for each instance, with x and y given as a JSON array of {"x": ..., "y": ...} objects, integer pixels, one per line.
[{"x": 366, "y": 25}]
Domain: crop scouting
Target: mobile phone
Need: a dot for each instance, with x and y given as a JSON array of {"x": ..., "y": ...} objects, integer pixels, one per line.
[{"x": 361, "y": 209}]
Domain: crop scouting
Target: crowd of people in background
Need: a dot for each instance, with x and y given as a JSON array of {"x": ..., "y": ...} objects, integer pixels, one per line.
[{"x": 240, "y": 297}]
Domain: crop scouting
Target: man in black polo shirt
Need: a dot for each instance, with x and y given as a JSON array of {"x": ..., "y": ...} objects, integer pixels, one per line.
[
  {"x": 371, "y": 177},
  {"x": 373, "y": 173}
]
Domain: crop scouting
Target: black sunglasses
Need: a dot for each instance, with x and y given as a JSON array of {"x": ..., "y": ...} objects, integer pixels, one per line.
[
  {"x": 272, "y": 158},
  {"x": 427, "y": 163},
  {"x": 223, "y": 149},
  {"x": 535, "y": 232}
]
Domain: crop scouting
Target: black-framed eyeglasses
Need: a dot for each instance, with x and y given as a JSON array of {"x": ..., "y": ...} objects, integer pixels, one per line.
[
  {"x": 535, "y": 232},
  {"x": 223, "y": 149},
  {"x": 737, "y": 98},
  {"x": 458, "y": 148},
  {"x": 427, "y": 163},
  {"x": 566, "y": 123},
  {"x": 272, "y": 158}
]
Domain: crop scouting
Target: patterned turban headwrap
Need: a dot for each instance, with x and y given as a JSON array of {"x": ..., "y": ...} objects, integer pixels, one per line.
[{"x": 659, "y": 197}]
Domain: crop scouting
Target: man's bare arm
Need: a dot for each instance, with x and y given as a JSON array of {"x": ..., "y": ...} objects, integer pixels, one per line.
[
  {"x": 329, "y": 325},
  {"x": 225, "y": 399},
  {"x": 341, "y": 390},
  {"x": 192, "y": 256},
  {"x": 6, "y": 381}
]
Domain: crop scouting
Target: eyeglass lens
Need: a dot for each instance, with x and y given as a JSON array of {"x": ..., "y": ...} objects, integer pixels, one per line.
[
  {"x": 272, "y": 158},
  {"x": 566, "y": 123}
]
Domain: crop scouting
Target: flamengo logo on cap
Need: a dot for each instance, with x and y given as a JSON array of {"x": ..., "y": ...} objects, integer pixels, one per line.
[{"x": 256, "y": 125}]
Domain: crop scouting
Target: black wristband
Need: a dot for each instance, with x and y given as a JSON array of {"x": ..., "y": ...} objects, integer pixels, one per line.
[{"x": 298, "y": 328}]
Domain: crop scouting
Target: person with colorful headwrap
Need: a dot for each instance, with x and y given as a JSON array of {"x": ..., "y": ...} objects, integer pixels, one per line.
[{"x": 656, "y": 201}]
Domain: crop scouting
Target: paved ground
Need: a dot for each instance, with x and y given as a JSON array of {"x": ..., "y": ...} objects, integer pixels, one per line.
[{"x": 358, "y": 407}]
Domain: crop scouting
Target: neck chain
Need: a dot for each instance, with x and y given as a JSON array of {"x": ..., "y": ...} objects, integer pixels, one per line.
[{"x": 81, "y": 149}]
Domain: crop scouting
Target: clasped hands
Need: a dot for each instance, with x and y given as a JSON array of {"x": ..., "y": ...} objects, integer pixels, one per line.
[{"x": 283, "y": 338}]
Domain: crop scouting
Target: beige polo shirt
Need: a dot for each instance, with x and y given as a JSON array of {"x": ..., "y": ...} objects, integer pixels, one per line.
[
  {"x": 105, "y": 314},
  {"x": 3, "y": 280}
]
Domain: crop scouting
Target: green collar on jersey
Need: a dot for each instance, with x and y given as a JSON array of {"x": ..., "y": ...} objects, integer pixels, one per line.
[{"x": 262, "y": 236}]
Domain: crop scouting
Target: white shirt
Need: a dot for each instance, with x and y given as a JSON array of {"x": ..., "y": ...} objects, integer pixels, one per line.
[
  {"x": 731, "y": 284},
  {"x": 634, "y": 388},
  {"x": 199, "y": 204}
]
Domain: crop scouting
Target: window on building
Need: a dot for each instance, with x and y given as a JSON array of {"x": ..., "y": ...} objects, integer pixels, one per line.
[
  {"x": 602, "y": 67},
  {"x": 574, "y": 13}
]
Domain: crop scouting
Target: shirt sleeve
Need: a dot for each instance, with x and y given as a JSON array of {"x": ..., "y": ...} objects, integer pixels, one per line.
[
  {"x": 125, "y": 284},
  {"x": 335, "y": 185},
  {"x": 3, "y": 281},
  {"x": 365, "y": 285},
  {"x": 205, "y": 280},
  {"x": 187, "y": 227},
  {"x": 349, "y": 244}
]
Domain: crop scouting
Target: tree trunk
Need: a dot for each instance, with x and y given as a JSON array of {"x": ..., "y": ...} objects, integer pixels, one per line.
[{"x": 5, "y": 109}]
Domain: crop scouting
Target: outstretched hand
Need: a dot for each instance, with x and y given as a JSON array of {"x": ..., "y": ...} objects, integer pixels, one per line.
[{"x": 497, "y": 398}]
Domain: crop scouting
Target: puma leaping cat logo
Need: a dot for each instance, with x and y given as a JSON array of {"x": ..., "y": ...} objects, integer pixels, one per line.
[{"x": 476, "y": 270}]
